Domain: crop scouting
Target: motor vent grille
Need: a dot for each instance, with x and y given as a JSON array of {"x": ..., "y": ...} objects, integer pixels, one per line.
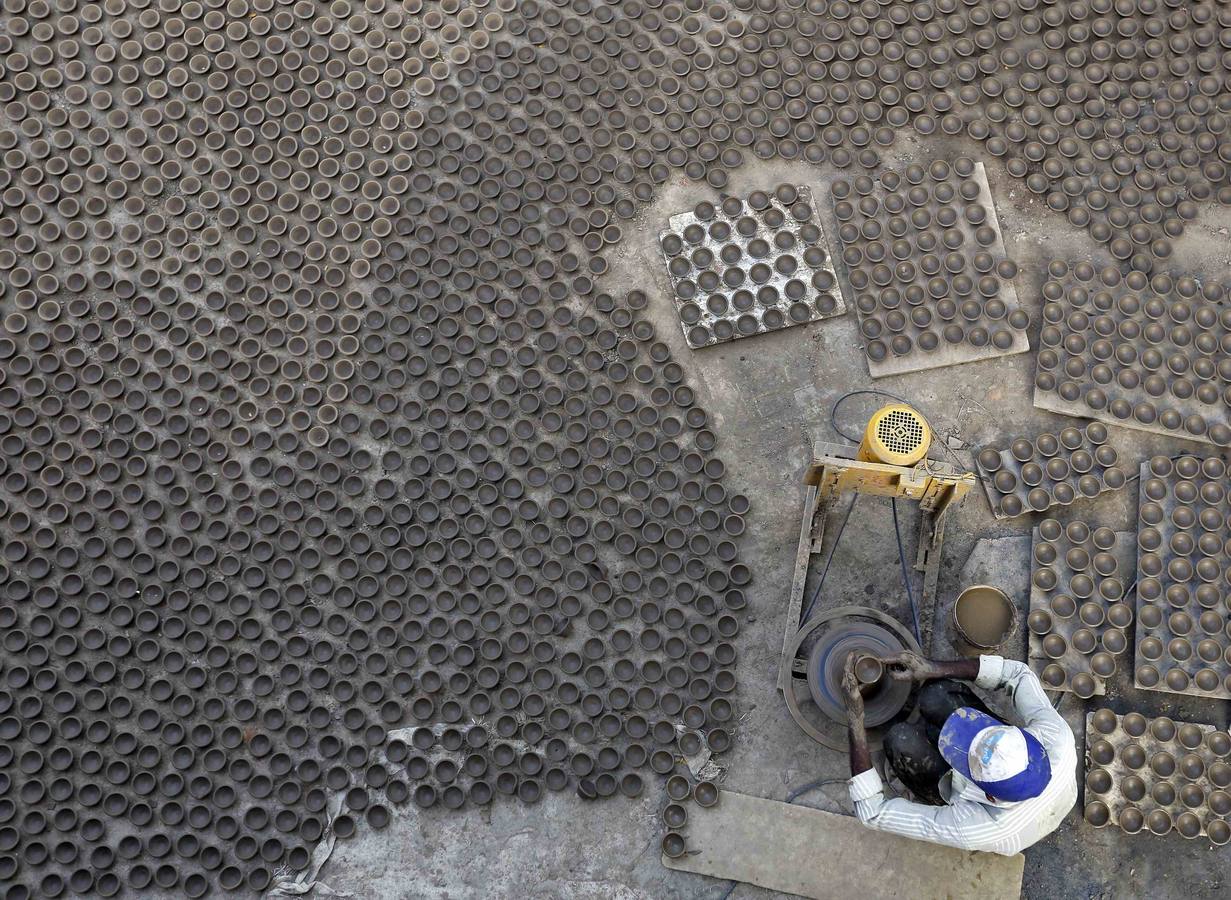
[{"x": 900, "y": 431}]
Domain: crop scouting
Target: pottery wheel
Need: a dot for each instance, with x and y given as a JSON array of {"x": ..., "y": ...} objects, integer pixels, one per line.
[
  {"x": 828, "y": 658},
  {"x": 816, "y": 657}
]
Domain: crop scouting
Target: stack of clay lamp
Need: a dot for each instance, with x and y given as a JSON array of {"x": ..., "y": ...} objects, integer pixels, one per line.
[
  {"x": 927, "y": 266},
  {"x": 1077, "y": 613},
  {"x": 1156, "y": 775},
  {"x": 745, "y": 267},
  {"x": 675, "y": 816},
  {"x": 1183, "y": 635},
  {"x": 1034, "y": 475}
]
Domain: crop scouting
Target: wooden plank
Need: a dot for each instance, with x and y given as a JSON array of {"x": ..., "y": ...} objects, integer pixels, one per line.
[{"x": 816, "y": 854}]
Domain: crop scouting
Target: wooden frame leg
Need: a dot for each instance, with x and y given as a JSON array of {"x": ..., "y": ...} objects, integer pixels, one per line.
[{"x": 811, "y": 536}]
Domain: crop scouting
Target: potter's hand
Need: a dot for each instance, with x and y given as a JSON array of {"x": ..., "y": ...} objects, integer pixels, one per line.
[
  {"x": 850, "y": 689},
  {"x": 857, "y": 735},
  {"x": 909, "y": 666}
]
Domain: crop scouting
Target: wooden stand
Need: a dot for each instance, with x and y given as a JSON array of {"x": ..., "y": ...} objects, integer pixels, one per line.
[{"x": 935, "y": 486}]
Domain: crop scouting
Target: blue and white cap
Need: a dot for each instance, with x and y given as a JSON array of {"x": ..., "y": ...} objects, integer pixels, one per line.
[{"x": 1008, "y": 763}]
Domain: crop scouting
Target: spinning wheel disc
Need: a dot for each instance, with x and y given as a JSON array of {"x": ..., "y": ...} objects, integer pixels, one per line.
[
  {"x": 813, "y": 692},
  {"x": 828, "y": 658}
]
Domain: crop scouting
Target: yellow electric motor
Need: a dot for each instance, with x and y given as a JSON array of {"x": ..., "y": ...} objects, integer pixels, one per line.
[{"x": 896, "y": 435}]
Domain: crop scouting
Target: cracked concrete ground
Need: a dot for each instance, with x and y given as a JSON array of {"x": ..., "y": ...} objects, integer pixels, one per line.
[{"x": 770, "y": 398}]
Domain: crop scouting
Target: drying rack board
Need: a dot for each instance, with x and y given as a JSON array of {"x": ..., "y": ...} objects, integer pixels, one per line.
[
  {"x": 1033, "y": 475},
  {"x": 1155, "y": 775},
  {"x": 775, "y": 845},
  {"x": 862, "y": 229},
  {"x": 749, "y": 266},
  {"x": 1110, "y": 635},
  {"x": 1183, "y": 636},
  {"x": 1111, "y": 346}
]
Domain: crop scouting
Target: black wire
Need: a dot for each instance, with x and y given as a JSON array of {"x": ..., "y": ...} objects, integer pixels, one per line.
[
  {"x": 910, "y": 594},
  {"x": 833, "y": 418},
  {"x": 832, "y": 551},
  {"x": 845, "y": 518},
  {"x": 812, "y": 786},
  {"x": 833, "y": 410}
]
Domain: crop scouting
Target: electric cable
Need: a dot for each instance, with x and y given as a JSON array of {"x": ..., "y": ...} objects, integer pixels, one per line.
[
  {"x": 832, "y": 551},
  {"x": 910, "y": 593},
  {"x": 833, "y": 410},
  {"x": 833, "y": 418},
  {"x": 812, "y": 786}
]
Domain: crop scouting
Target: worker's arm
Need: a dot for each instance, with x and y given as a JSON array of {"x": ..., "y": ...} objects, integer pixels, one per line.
[
  {"x": 908, "y": 666},
  {"x": 861, "y": 756},
  {"x": 962, "y": 824},
  {"x": 1011, "y": 679},
  {"x": 1015, "y": 682}
]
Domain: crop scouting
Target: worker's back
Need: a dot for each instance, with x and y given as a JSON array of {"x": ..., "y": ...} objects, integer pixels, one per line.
[{"x": 968, "y": 817}]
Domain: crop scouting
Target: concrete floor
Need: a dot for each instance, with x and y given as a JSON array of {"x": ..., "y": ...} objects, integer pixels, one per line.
[{"x": 770, "y": 397}]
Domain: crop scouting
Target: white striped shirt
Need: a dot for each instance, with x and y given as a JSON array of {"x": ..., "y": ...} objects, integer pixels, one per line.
[{"x": 969, "y": 820}]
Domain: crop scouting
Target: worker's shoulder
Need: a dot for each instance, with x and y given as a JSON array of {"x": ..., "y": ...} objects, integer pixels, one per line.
[{"x": 1055, "y": 734}]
